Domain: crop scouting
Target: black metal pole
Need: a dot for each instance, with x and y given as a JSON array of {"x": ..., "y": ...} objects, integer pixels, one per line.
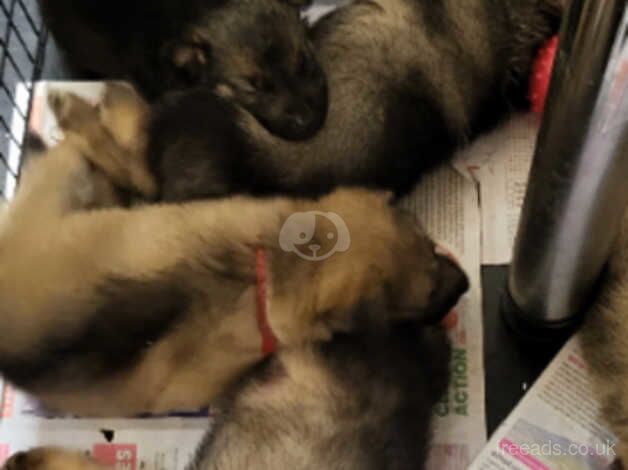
[{"x": 578, "y": 187}]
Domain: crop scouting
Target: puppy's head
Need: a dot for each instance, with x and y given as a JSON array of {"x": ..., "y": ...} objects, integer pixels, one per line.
[
  {"x": 373, "y": 253},
  {"x": 256, "y": 54}
]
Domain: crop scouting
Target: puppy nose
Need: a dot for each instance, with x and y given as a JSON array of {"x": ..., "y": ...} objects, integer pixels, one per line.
[
  {"x": 302, "y": 120},
  {"x": 450, "y": 283},
  {"x": 314, "y": 248}
]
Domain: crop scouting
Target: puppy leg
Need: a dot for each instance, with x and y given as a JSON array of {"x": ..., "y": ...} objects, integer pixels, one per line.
[
  {"x": 110, "y": 134},
  {"x": 50, "y": 458},
  {"x": 58, "y": 182}
]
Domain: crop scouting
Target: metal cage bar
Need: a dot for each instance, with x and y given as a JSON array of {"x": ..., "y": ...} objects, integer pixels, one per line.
[{"x": 23, "y": 39}]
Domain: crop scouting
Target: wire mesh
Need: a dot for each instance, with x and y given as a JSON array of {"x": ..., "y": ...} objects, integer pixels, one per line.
[{"x": 22, "y": 50}]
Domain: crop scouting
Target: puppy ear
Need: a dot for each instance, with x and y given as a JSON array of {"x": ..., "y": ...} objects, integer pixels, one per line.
[{"x": 189, "y": 61}]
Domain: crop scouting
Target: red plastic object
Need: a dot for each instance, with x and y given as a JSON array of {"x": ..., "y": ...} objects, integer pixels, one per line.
[{"x": 541, "y": 74}]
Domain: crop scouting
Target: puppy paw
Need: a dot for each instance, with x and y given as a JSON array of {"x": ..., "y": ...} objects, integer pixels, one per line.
[
  {"x": 69, "y": 109},
  {"x": 110, "y": 134}
]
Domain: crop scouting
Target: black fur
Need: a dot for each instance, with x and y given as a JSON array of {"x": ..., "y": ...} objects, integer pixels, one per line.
[
  {"x": 377, "y": 408},
  {"x": 191, "y": 134},
  {"x": 33, "y": 147},
  {"x": 198, "y": 150},
  {"x": 412, "y": 359},
  {"x": 410, "y": 126},
  {"x": 255, "y": 51},
  {"x": 118, "y": 38},
  {"x": 416, "y": 136}
]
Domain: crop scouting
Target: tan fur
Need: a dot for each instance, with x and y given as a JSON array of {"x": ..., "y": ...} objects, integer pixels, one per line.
[
  {"x": 114, "y": 143},
  {"x": 62, "y": 222},
  {"x": 51, "y": 458},
  {"x": 389, "y": 28},
  {"x": 604, "y": 337}
]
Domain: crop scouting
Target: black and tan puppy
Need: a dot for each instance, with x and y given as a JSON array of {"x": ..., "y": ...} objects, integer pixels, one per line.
[
  {"x": 107, "y": 310},
  {"x": 359, "y": 402},
  {"x": 254, "y": 53},
  {"x": 409, "y": 82}
]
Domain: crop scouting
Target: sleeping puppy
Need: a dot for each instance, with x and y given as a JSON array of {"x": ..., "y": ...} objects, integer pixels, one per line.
[
  {"x": 254, "y": 53},
  {"x": 409, "y": 82},
  {"x": 114, "y": 311},
  {"x": 359, "y": 402},
  {"x": 604, "y": 338}
]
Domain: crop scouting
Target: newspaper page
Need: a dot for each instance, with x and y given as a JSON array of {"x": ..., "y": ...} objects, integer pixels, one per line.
[
  {"x": 500, "y": 162},
  {"x": 444, "y": 201},
  {"x": 556, "y": 426},
  {"x": 447, "y": 204}
]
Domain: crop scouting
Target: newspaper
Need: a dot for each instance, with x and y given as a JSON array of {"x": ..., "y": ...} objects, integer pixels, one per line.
[
  {"x": 556, "y": 426},
  {"x": 500, "y": 162},
  {"x": 446, "y": 203},
  {"x": 166, "y": 443}
]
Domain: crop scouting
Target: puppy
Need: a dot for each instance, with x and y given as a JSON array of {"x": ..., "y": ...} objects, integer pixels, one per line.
[
  {"x": 254, "y": 53},
  {"x": 409, "y": 82},
  {"x": 114, "y": 311},
  {"x": 359, "y": 402},
  {"x": 604, "y": 338}
]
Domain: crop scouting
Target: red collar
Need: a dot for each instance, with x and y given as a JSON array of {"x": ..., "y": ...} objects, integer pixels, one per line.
[{"x": 269, "y": 341}]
